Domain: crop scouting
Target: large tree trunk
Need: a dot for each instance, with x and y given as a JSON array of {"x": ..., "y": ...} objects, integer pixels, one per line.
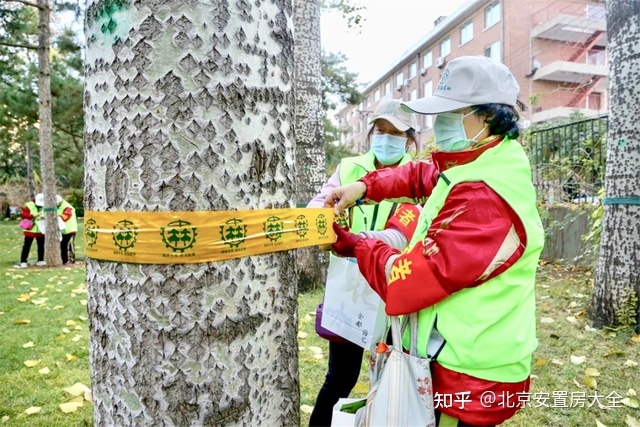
[
  {"x": 618, "y": 267},
  {"x": 310, "y": 157},
  {"x": 188, "y": 107},
  {"x": 31, "y": 188},
  {"x": 47, "y": 173}
]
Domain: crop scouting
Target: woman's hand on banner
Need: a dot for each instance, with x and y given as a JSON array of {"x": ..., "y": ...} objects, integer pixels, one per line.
[{"x": 344, "y": 197}]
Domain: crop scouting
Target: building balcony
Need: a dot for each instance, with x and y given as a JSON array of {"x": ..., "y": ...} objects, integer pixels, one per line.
[
  {"x": 561, "y": 113},
  {"x": 571, "y": 29},
  {"x": 571, "y": 72}
]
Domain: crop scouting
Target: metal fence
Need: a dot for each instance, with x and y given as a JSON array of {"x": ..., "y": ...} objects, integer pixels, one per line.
[{"x": 568, "y": 160}]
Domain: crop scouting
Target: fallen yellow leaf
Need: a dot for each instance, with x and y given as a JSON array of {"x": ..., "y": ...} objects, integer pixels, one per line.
[
  {"x": 306, "y": 409},
  {"x": 632, "y": 403},
  {"x": 599, "y": 424},
  {"x": 88, "y": 396},
  {"x": 547, "y": 320},
  {"x": 317, "y": 356},
  {"x": 32, "y": 410},
  {"x": 636, "y": 338},
  {"x": 577, "y": 360},
  {"x": 315, "y": 349},
  {"x": 592, "y": 372},
  {"x": 70, "y": 407},
  {"x": 302, "y": 334},
  {"x": 77, "y": 389},
  {"x": 631, "y": 392},
  {"x": 28, "y": 345},
  {"x": 58, "y": 307},
  {"x": 71, "y": 323},
  {"x": 76, "y": 338},
  {"x": 31, "y": 363},
  {"x": 631, "y": 422},
  {"x": 541, "y": 362},
  {"x": 630, "y": 363},
  {"x": 22, "y": 322},
  {"x": 71, "y": 357},
  {"x": 44, "y": 371},
  {"x": 590, "y": 382}
]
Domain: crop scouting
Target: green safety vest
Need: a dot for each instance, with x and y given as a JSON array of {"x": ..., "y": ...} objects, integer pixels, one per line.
[
  {"x": 71, "y": 225},
  {"x": 365, "y": 217},
  {"x": 33, "y": 209},
  {"x": 490, "y": 330}
]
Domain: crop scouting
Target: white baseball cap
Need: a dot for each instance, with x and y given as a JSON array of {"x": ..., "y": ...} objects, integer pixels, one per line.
[
  {"x": 392, "y": 111},
  {"x": 39, "y": 199},
  {"x": 467, "y": 81}
]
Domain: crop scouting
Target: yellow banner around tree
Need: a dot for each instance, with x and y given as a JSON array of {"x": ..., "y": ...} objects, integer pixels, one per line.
[{"x": 192, "y": 237}]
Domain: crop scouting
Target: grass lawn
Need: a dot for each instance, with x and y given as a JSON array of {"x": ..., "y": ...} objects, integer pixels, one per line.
[{"x": 572, "y": 366}]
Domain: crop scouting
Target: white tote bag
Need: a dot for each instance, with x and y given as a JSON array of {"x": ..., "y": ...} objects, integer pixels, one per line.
[
  {"x": 402, "y": 395},
  {"x": 351, "y": 308}
]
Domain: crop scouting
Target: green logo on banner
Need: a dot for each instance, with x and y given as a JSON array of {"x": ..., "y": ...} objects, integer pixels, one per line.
[
  {"x": 126, "y": 234},
  {"x": 302, "y": 225},
  {"x": 233, "y": 232},
  {"x": 273, "y": 228},
  {"x": 91, "y": 232},
  {"x": 178, "y": 235},
  {"x": 321, "y": 224}
]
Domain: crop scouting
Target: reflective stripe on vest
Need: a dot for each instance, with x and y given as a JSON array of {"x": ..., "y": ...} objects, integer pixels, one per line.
[{"x": 490, "y": 329}]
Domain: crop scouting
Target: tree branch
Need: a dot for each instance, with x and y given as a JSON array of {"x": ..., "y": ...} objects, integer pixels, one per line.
[
  {"x": 26, "y": 2},
  {"x": 24, "y": 46}
]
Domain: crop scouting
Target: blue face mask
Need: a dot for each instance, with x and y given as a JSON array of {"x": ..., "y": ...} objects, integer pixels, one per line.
[
  {"x": 450, "y": 134},
  {"x": 388, "y": 149}
]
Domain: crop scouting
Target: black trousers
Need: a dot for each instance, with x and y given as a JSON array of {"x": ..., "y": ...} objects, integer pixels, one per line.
[
  {"x": 345, "y": 360},
  {"x": 26, "y": 247},
  {"x": 67, "y": 248}
]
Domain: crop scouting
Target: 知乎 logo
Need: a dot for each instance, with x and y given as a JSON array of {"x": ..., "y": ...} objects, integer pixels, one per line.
[
  {"x": 178, "y": 235},
  {"x": 125, "y": 235},
  {"x": 90, "y": 232},
  {"x": 273, "y": 228},
  {"x": 302, "y": 225},
  {"x": 233, "y": 232},
  {"x": 321, "y": 224}
]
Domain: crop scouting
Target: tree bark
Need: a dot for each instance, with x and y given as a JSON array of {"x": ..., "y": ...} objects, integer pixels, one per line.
[
  {"x": 310, "y": 156},
  {"x": 47, "y": 170},
  {"x": 618, "y": 266},
  {"x": 188, "y": 107}
]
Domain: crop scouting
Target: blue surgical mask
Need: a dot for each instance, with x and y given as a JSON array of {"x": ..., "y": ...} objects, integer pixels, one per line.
[
  {"x": 388, "y": 149},
  {"x": 450, "y": 134}
]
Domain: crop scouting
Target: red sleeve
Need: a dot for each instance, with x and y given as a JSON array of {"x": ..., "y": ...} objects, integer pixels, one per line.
[
  {"x": 26, "y": 213},
  {"x": 414, "y": 180},
  {"x": 372, "y": 256},
  {"x": 475, "y": 237},
  {"x": 66, "y": 214},
  {"x": 405, "y": 219}
]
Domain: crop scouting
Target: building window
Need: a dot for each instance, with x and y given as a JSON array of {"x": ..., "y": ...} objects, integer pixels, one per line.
[
  {"x": 493, "y": 51},
  {"x": 387, "y": 88},
  {"x": 427, "y": 89},
  {"x": 399, "y": 79},
  {"x": 376, "y": 95},
  {"x": 597, "y": 57},
  {"x": 366, "y": 102},
  {"x": 445, "y": 47},
  {"x": 427, "y": 60},
  {"x": 413, "y": 70},
  {"x": 413, "y": 95},
  {"x": 596, "y": 13},
  {"x": 360, "y": 107},
  {"x": 466, "y": 32},
  {"x": 492, "y": 15}
]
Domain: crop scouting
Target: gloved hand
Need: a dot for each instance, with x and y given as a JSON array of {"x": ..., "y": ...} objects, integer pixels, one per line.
[{"x": 346, "y": 242}]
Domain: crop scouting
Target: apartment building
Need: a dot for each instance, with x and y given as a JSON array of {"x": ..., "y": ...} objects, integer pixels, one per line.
[{"x": 555, "y": 48}]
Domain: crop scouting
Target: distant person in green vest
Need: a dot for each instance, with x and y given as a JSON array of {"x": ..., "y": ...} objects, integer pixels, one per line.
[
  {"x": 67, "y": 213},
  {"x": 470, "y": 268},
  {"x": 392, "y": 133},
  {"x": 31, "y": 213}
]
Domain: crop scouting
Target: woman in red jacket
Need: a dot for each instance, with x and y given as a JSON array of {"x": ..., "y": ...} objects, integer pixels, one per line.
[{"x": 31, "y": 213}]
